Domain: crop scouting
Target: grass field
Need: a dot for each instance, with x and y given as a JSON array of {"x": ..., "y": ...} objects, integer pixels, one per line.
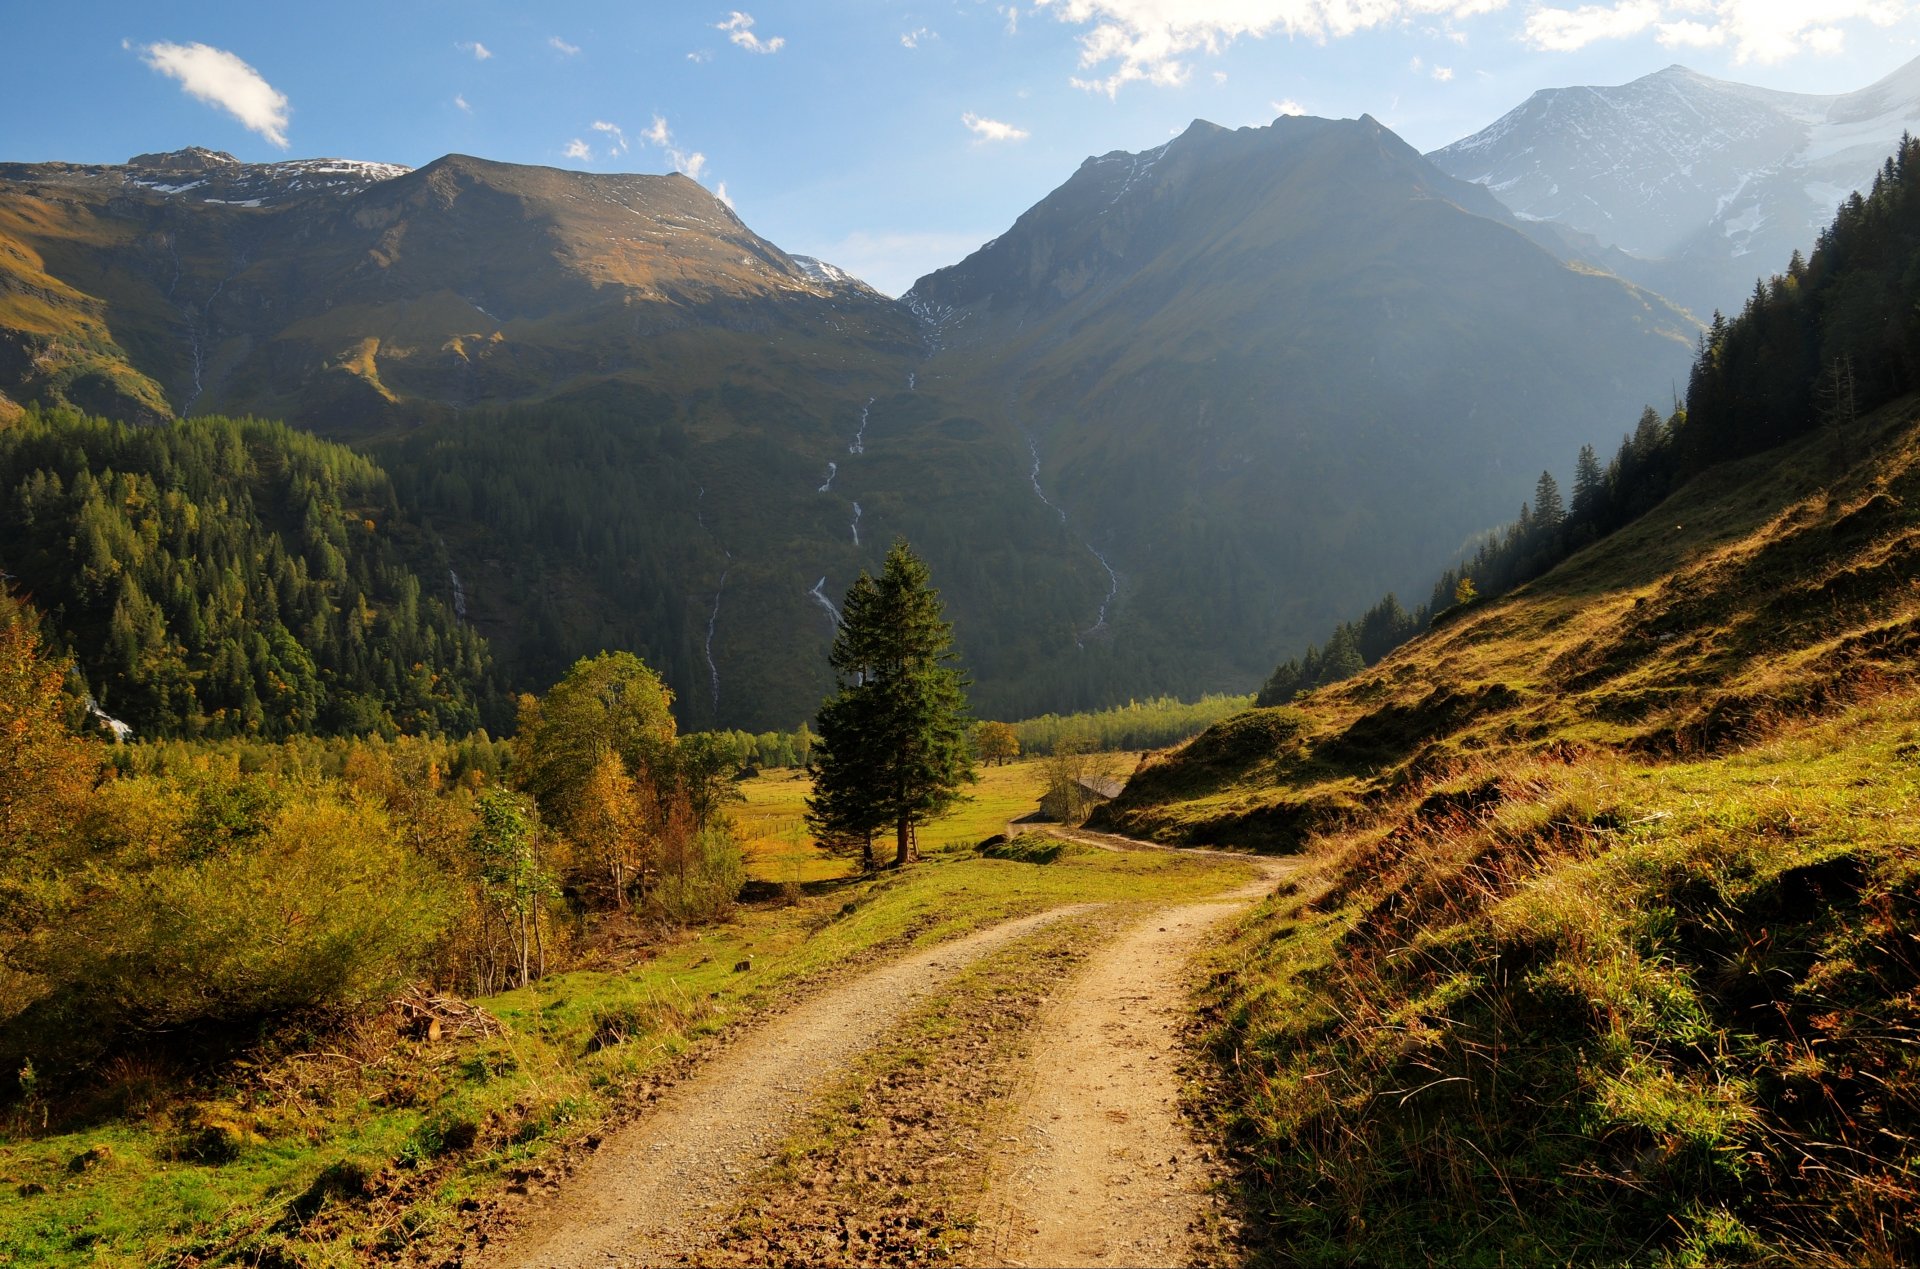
[
  {"x": 780, "y": 849},
  {"x": 363, "y": 1148}
]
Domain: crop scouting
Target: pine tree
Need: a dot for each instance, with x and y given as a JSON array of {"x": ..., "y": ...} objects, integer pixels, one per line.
[
  {"x": 893, "y": 748},
  {"x": 1548, "y": 509},
  {"x": 1589, "y": 483}
]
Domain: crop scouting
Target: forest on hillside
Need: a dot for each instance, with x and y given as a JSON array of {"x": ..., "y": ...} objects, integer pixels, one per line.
[{"x": 233, "y": 577}]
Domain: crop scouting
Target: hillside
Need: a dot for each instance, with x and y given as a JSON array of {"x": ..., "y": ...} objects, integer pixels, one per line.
[
  {"x": 1612, "y": 896},
  {"x": 1696, "y": 184},
  {"x": 217, "y": 577}
]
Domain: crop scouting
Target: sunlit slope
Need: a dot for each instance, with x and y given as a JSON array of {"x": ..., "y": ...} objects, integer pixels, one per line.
[{"x": 1761, "y": 591}]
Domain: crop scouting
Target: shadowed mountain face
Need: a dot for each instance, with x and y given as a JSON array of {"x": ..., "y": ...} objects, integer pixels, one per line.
[
  {"x": 1709, "y": 184},
  {"x": 1260, "y": 366},
  {"x": 1194, "y": 406}
]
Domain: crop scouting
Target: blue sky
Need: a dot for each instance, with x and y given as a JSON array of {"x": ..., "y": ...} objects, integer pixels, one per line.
[{"x": 889, "y": 138}]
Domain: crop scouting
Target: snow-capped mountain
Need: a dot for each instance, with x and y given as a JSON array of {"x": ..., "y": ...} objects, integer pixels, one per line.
[
  {"x": 1720, "y": 182},
  {"x": 214, "y": 176}
]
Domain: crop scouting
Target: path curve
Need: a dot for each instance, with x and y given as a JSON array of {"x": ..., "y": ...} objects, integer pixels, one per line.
[
  {"x": 647, "y": 1195},
  {"x": 1104, "y": 1167}
]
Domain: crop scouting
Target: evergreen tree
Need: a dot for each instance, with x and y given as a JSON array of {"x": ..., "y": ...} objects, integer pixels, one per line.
[
  {"x": 1548, "y": 509},
  {"x": 1589, "y": 484},
  {"x": 893, "y": 748}
]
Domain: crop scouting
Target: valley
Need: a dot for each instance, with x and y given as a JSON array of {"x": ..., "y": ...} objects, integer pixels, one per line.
[{"x": 539, "y": 727}]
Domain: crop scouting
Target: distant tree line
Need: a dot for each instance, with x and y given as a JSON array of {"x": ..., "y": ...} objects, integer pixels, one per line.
[
  {"x": 1833, "y": 338},
  {"x": 231, "y": 577}
]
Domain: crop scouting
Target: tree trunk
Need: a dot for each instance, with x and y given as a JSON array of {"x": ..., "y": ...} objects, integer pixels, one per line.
[{"x": 903, "y": 842}]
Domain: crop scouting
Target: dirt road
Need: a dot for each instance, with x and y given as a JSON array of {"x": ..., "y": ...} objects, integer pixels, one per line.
[
  {"x": 644, "y": 1196},
  {"x": 1103, "y": 1167},
  {"x": 1099, "y": 1165}
]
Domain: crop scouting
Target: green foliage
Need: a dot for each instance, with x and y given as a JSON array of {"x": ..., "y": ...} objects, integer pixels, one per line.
[
  {"x": 204, "y": 906},
  {"x": 221, "y": 577},
  {"x": 1141, "y": 724},
  {"x": 893, "y": 749}
]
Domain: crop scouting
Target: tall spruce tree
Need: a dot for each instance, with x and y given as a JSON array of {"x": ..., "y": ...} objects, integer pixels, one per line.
[{"x": 893, "y": 749}]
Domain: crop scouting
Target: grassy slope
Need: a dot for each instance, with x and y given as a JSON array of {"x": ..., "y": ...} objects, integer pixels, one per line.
[
  {"x": 360, "y": 1149},
  {"x": 1612, "y": 952}
]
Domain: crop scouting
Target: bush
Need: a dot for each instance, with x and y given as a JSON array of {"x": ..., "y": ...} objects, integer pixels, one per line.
[
  {"x": 302, "y": 903},
  {"x": 703, "y": 883}
]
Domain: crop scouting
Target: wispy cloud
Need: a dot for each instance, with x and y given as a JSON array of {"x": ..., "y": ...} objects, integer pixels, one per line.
[
  {"x": 221, "y": 79},
  {"x": 911, "y": 39},
  {"x": 480, "y": 51},
  {"x": 460, "y": 100},
  {"x": 1012, "y": 14},
  {"x": 700, "y": 55},
  {"x": 1757, "y": 30},
  {"x": 690, "y": 162},
  {"x": 739, "y": 29},
  {"x": 617, "y": 139},
  {"x": 1443, "y": 74},
  {"x": 578, "y": 149},
  {"x": 992, "y": 129},
  {"x": 1149, "y": 41},
  {"x": 720, "y": 192},
  {"x": 1287, "y": 107},
  {"x": 561, "y": 47}
]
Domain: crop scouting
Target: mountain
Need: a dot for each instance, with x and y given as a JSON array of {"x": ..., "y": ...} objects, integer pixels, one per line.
[
  {"x": 1701, "y": 183},
  {"x": 1254, "y": 367},
  {"x": 1601, "y": 945},
  {"x": 349, "y": 296},
  {"x": 1238, "y": 382}
]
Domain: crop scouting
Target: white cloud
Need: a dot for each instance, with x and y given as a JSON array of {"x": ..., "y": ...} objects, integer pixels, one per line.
[
  {"x": 1147, "y": 41},
  {"x": 578, "y": 149},
  {"x": 688, "y": 164},
  {"x": 658, "y": 133},
  {"x": 480, "y": 51},
  {"x": 700, "y": 55},
  {"x": 460, "y": 100},
  {"x": 913, "y": 38},
  {"x": 1564, "y": 30},
  {"x": 1443, "y": 74},
  {"x": 1288, "y": 107},
  {"x": 1219, "y": 77},
  {"x": 1415, "y": 64},
  {"x": 720, "y": 192},
  {"x": 739, "y": 29},
  {"x": 561, "y": 46},
  {"x": 218, "y": 78},
  {"x": 1691, "y": 35},
  {"x": 617, "y": 140},
  {"x": 1826, "y": 39},
  {"x": 1012, "y": 14},
  {"x": 1758, "y": 30},
  {"x": 992, "y": 129}
]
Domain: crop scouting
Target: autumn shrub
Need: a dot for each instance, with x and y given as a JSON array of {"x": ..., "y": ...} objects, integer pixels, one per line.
[
  {"x": 702, "y": 881},
  {"x": 205, "y": 911}
]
